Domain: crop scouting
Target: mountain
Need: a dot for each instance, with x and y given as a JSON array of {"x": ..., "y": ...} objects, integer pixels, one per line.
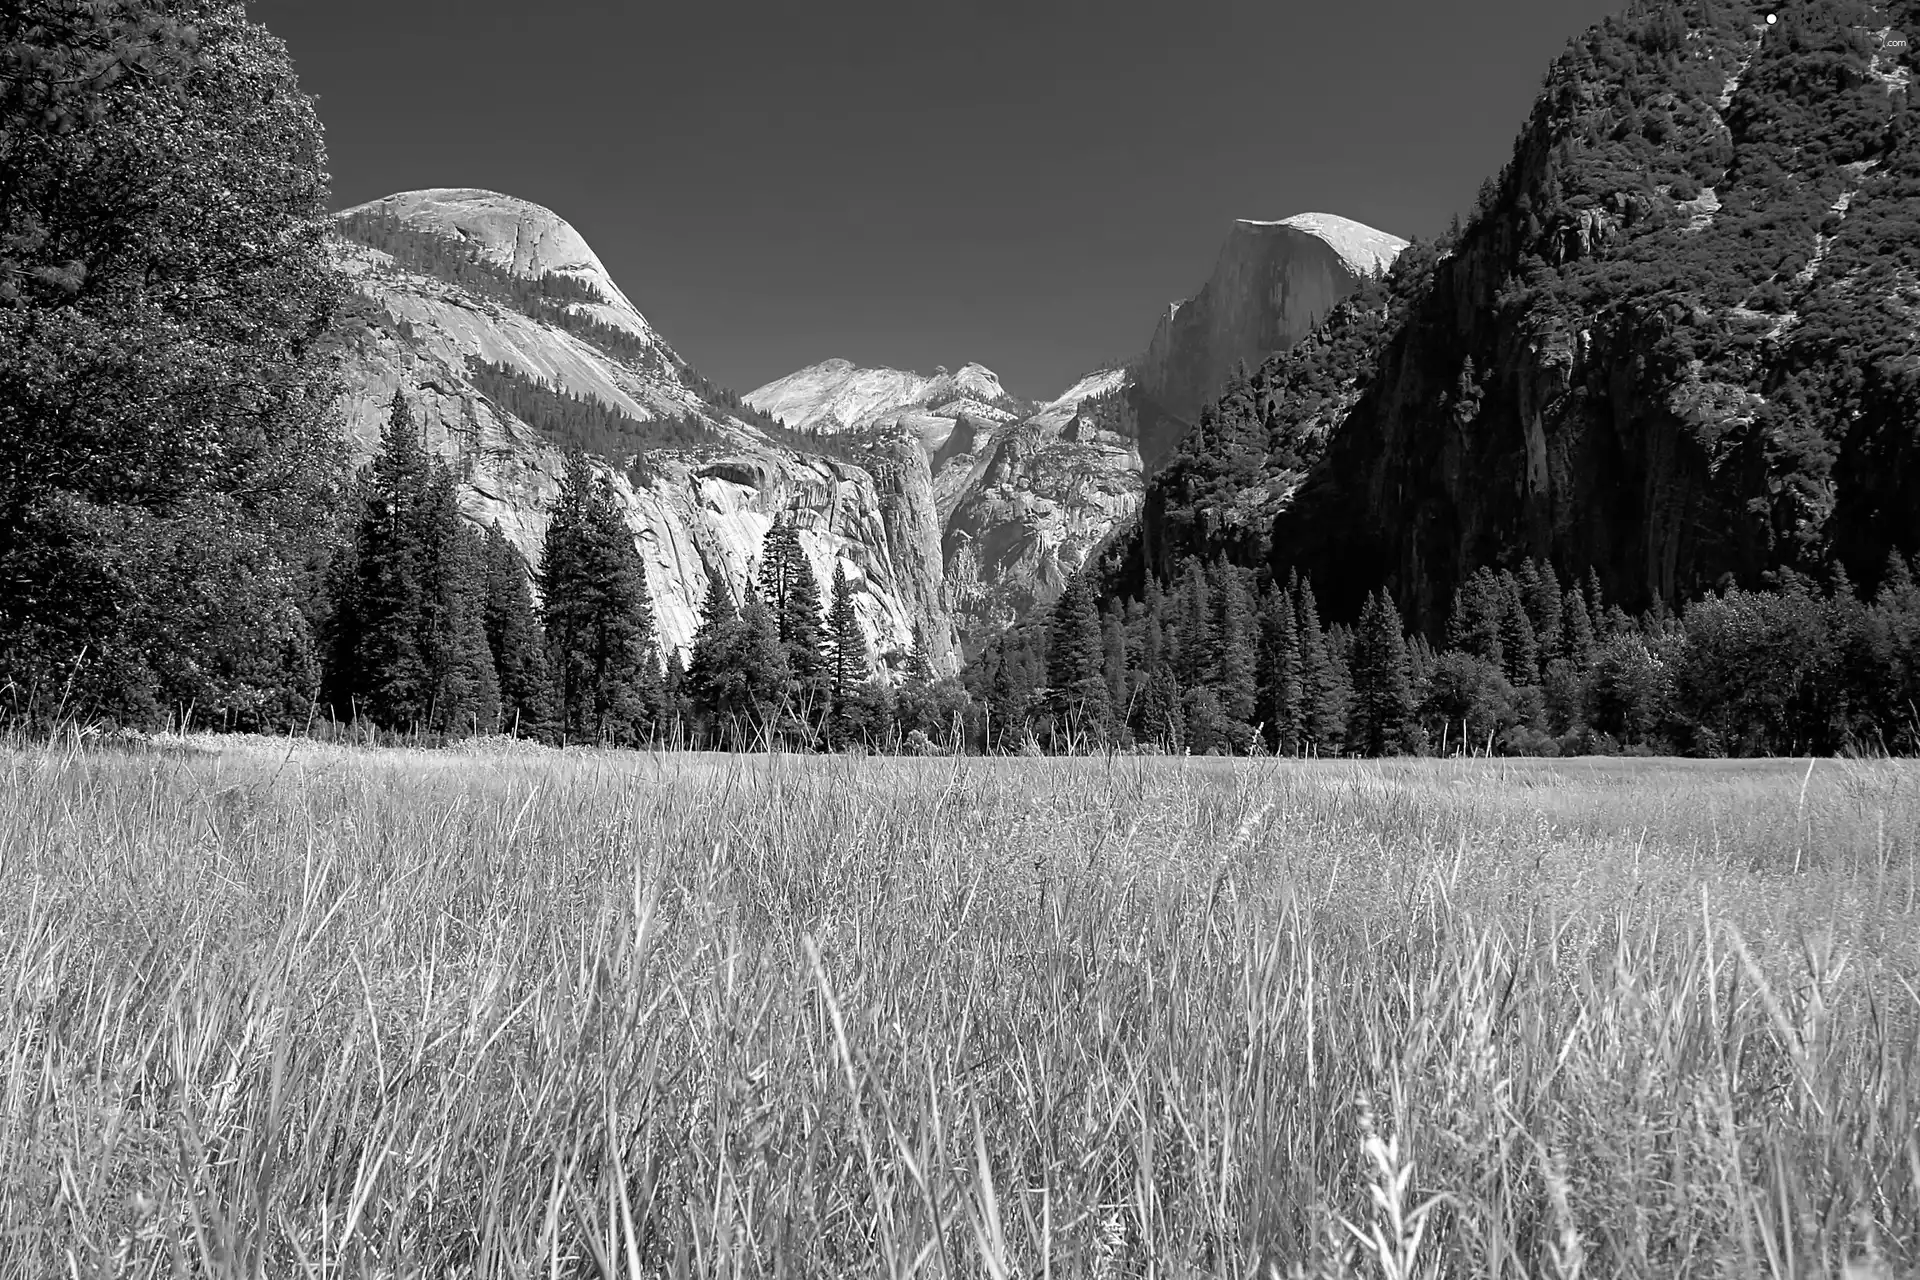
[
  {"x": 837, "y": 395},
  {"x": 1677, "y": 342},
  {"x": 511, "y": 343},
  {"x": 1026, "y": 493},
  {"x": 1273, "y": 283}
]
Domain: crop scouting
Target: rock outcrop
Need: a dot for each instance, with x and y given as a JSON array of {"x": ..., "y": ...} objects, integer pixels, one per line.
[
  {"x": 1272, "y": 284},
  {"x": 1677, "y": 346},
  {"x": 695, "y": 512}
]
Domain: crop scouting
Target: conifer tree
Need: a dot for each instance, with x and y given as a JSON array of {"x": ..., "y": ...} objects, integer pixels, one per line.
[
  {"x": 1237, "y": 644},
  {"x": 1519, "y": 648},
  {"x": 602, "y": 649},
  {"x": 1381, "y": 719},
  {"x": 513, "y": 636},
  {"x": 463, "y": 690},
  {"x": 1576, "y": 630},
  {"x": 792, "y": 594},
  {"x": 1322, "y": 682},
  {"x": 919, "y": 664},
  {"x": 846, "y": 649},
  {"x": 1540, "y": 588},
  {"x": 1475, "y": 625},
  {"x": 1118, "y": 664},
  {"x": 385, "y": 676},
  {"x": 1193, "y": 639},
  {"x": 1076, "y": 660},
  {"x": 1279, "y": 675},
  {"x": 676, "y": 705}
]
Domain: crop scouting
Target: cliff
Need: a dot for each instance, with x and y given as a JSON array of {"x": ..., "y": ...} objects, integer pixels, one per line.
[
  {"x": 465, "y": 296},
  {"x": 1273, "y": 283},
  {"x": 1676, "y": 343}
]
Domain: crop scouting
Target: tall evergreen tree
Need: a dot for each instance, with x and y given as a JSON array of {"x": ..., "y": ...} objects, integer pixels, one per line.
[
  {"x": 1381, "y": 720},
  {"x": 1076, "y": 661},
  {"x": 1576, "y": 630},
  {"x": 382, "y": 670},
  {"x": 513, "y": 636},
  {"x": 1281, "y": 698},
  {"x": 1237, "y": 648},
  {"x": 1519, "y": 648},
  {"x": 1118, "y": 664},
  {"x": 1193, "y": 639},
  {"x": 1540, "y": 588},
  {"x": 1476, "y": 623},
  {"x": 602, "y": 648},
  {"x": 846, "y": 649},
  {"x": 463, "y": 690},
  {"x": 792, "y": 594},
  {"x": 738, "y": 679},
  {"x": 1322, "y": 684}
]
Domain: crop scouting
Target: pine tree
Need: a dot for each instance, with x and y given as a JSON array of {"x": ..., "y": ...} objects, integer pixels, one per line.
[
  {"x": 1540, "y": 588},
  {"x": 1519, "y": 648},
  {"x": 792, "y": 595},
  {"x": 1279, "y": 675},
  {"x": 386, "y": 677},
  {"x": 1475, "y": 625},
  {"x": 1076, "y": 660},
  {"x": 919, "y": 664},
  {"x": 1322, "y": 681},
  {"x": 1194, "y": 645},
  {"x": 846, "y": 651},
  {"x": 1237, "y": 649},
  {"x": 1381, "y": 720},
  {"x": 602, "y": 648},
  {"x": 463, "y": 690},
  {"x": 1118, "y": 664},
  {"x": 1576, "y": 630},
  {"x": 513, "y": 636}
]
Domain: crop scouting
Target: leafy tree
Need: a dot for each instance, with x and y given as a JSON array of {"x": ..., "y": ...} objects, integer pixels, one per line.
[
  {"x": 602, "y": 648},
  {"x": 513, "y": 636},
  {"x": 170, "y": 454},
  {"x": 1468, "y": 703}
]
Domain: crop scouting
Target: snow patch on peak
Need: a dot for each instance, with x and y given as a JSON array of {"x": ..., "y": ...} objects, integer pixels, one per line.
[
  {"x": 1365, "y": 249},
  {"x": 839, "y": 395}
]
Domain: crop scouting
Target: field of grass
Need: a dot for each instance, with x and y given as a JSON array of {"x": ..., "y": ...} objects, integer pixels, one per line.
[{"x": 306, "y": 1011}]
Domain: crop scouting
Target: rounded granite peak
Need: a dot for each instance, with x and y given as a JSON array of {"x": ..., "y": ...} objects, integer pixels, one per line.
[
  {"x": 518, "y": 235},
  {"x": 1365, "y": 249}
]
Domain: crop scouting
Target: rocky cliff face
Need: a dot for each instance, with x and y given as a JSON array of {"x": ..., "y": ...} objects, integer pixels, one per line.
[
  {"x": 1676, "y": 344},
  {"x": 1021, "y": 493},
  {"x": 1272, "y": 284},
  {"x": 695, "y": 512}
]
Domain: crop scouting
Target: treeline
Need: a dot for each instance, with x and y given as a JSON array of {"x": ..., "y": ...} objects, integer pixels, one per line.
[
  {"x": 1217, "y": 661},
  {"x": 429, "y": 627},
  {"x": 582, "y": 422}
]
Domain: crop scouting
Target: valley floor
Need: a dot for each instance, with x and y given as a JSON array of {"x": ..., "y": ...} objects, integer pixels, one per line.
[{"x": 313, "y": 1011}]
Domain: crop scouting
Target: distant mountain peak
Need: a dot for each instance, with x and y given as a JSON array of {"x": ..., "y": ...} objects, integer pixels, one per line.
[{"x": 837, "y": 394}]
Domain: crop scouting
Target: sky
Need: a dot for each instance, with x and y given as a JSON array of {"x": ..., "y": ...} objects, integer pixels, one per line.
[{"x": 1021, "y": 183}]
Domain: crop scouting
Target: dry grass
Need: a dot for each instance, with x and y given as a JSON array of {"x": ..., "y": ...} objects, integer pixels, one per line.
[{"x": 316, "y": 1012}]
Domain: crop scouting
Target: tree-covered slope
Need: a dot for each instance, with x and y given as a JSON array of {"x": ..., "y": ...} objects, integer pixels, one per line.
[{"x": 1675, "y": 341}]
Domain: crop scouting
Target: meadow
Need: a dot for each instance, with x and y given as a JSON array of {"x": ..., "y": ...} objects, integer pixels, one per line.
[{"x": 283, "y": 1009}]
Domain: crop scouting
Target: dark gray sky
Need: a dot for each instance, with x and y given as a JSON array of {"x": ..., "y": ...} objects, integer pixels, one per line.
[{"x": 1022, "y": 183}]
